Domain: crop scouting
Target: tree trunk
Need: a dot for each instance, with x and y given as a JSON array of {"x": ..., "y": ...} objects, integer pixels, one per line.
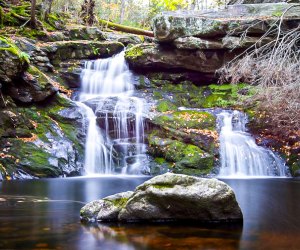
[
  {"x": 33, "y": 21},
  {"x": 126, "y": 29},
  {"x": 122, "y": 11},
  {"x": 48, "y": 6}
]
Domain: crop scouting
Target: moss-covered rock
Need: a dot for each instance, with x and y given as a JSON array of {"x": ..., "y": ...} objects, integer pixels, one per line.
[
  {"x": 157, "y": 57},
  {"x": 44, "y": 141},
  {"x": 165, "y": 106},
  {"x": 180, "y": 155},
  {"x": 34, "y": 86},
  {"x": 85, "y": 33},
  {"x": 252, "y": 18},
  {"x": 12, "y": 60},
  {"x": 170, "y": 197},
  {"x": 83, "y": 49},
  {"x": 187, "y": 119}
]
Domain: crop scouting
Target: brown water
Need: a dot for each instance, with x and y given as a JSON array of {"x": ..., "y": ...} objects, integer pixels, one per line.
[{"x": 44, "y": 214}]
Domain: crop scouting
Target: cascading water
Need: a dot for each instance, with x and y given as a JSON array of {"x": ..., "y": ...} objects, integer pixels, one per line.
[
  {"x": 115, "y": 118},
  {"x": 240, "y": 156}
]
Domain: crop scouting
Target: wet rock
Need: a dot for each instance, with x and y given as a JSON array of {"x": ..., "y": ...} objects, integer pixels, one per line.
[
  {"x": 37, "y": 57},
  {"x": 14, "y": 124},
  {"x": 34, "y": 86},
  {"x": 184, "y": 158},
  {"x": 110, "y": 207},
  {"x": 234, "y": 19},
  {"x": 170, "y": 197},
  {"x": 42, "y": 141},
  {"x": 194, "y": 127}
]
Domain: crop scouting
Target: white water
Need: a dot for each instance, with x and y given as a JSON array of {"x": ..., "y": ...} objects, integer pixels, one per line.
[
  {"x": 115, "y": 118},
  {"x": 240, "y": 156}
]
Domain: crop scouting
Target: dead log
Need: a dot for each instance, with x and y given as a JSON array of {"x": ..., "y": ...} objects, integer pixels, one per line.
[{"x": 126, "y": 29}]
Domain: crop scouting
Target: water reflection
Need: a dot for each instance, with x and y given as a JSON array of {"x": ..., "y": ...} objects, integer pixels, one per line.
[
  {"x": 169, "y": 236},
  {"x": 44, "y": 214}
]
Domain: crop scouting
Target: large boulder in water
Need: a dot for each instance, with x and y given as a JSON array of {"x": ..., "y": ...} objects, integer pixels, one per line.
[
  {"x": 255, "y": 18},
  {"x": 169, "y": 197}
]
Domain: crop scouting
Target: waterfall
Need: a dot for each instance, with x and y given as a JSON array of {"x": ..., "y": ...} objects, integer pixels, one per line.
[
  {"x": 240, "y": 156},
  {"x": 114, "y": 118}
]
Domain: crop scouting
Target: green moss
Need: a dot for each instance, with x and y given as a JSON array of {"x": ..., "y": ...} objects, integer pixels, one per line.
[
  {"x": 160, "y": 160},
  {"x": 32, "y": 33},
  {"x": 163, "y": 185},
  {"x": 182, "y": 155},
  {"x": 121, "y": 202},
  {"x": 165, "y": 106},
  {"x": 187, "y": 119},
  {"x": 226, "y": 95},
  {"x": 134, "y": 52},
  {"x": 22, "y": 10},
  {"x": 2, "y": 16},
  {"x": 8, "y": 45}
]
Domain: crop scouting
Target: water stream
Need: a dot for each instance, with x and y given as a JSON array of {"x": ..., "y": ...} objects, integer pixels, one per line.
[
  {"x": 239, "y": 154},
  {"x": 114, "y": 118}
]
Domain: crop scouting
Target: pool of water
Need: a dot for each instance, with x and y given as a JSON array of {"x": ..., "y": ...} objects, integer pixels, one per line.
[{"x": 44, "y": 214}]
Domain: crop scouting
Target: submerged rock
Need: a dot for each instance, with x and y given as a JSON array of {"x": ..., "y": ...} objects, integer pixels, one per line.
[{"x": 169, "y": 197}]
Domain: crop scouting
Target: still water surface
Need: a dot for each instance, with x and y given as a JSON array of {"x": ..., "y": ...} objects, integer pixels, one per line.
[{"x": 44, "y": 214}]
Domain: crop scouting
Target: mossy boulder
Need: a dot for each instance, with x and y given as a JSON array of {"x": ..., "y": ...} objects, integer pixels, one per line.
[
  {"x": 170, "y": 197},
  {"x": 34, "y": 86},
  {"x": 189, "y": 126},
  {"x": 187, "y": 119},
  {"x": 46, "y": 140},
  {"x": 12, "y": 61},
  {"x": 182, "y": 156}
]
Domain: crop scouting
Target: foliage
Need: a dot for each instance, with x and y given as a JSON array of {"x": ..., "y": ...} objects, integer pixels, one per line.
[{"x": 274, "y": 68}]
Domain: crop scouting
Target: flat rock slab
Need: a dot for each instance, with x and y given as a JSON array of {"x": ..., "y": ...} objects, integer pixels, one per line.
[
  {"x": 154, "y": 56},
  {"x": 82, "y": 49},
  {"x": 255, "y": 18},
  {"x": 169, "y": 197}
]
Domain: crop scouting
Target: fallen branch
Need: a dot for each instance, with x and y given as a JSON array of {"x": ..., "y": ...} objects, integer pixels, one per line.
[{"x": 126, "y": 29}]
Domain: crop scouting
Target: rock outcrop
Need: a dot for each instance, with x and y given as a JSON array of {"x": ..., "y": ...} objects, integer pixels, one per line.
[
  {"x": 34, "y": 86},
  {"x": 158, "y": 57},
  {"x": 203, "y": 42},
  {"x": 12, "y": 61},
  {"x": 255, "y": 18},
  {"x": 81, "y": 49},
  {"x": 169, "y": 197}
]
